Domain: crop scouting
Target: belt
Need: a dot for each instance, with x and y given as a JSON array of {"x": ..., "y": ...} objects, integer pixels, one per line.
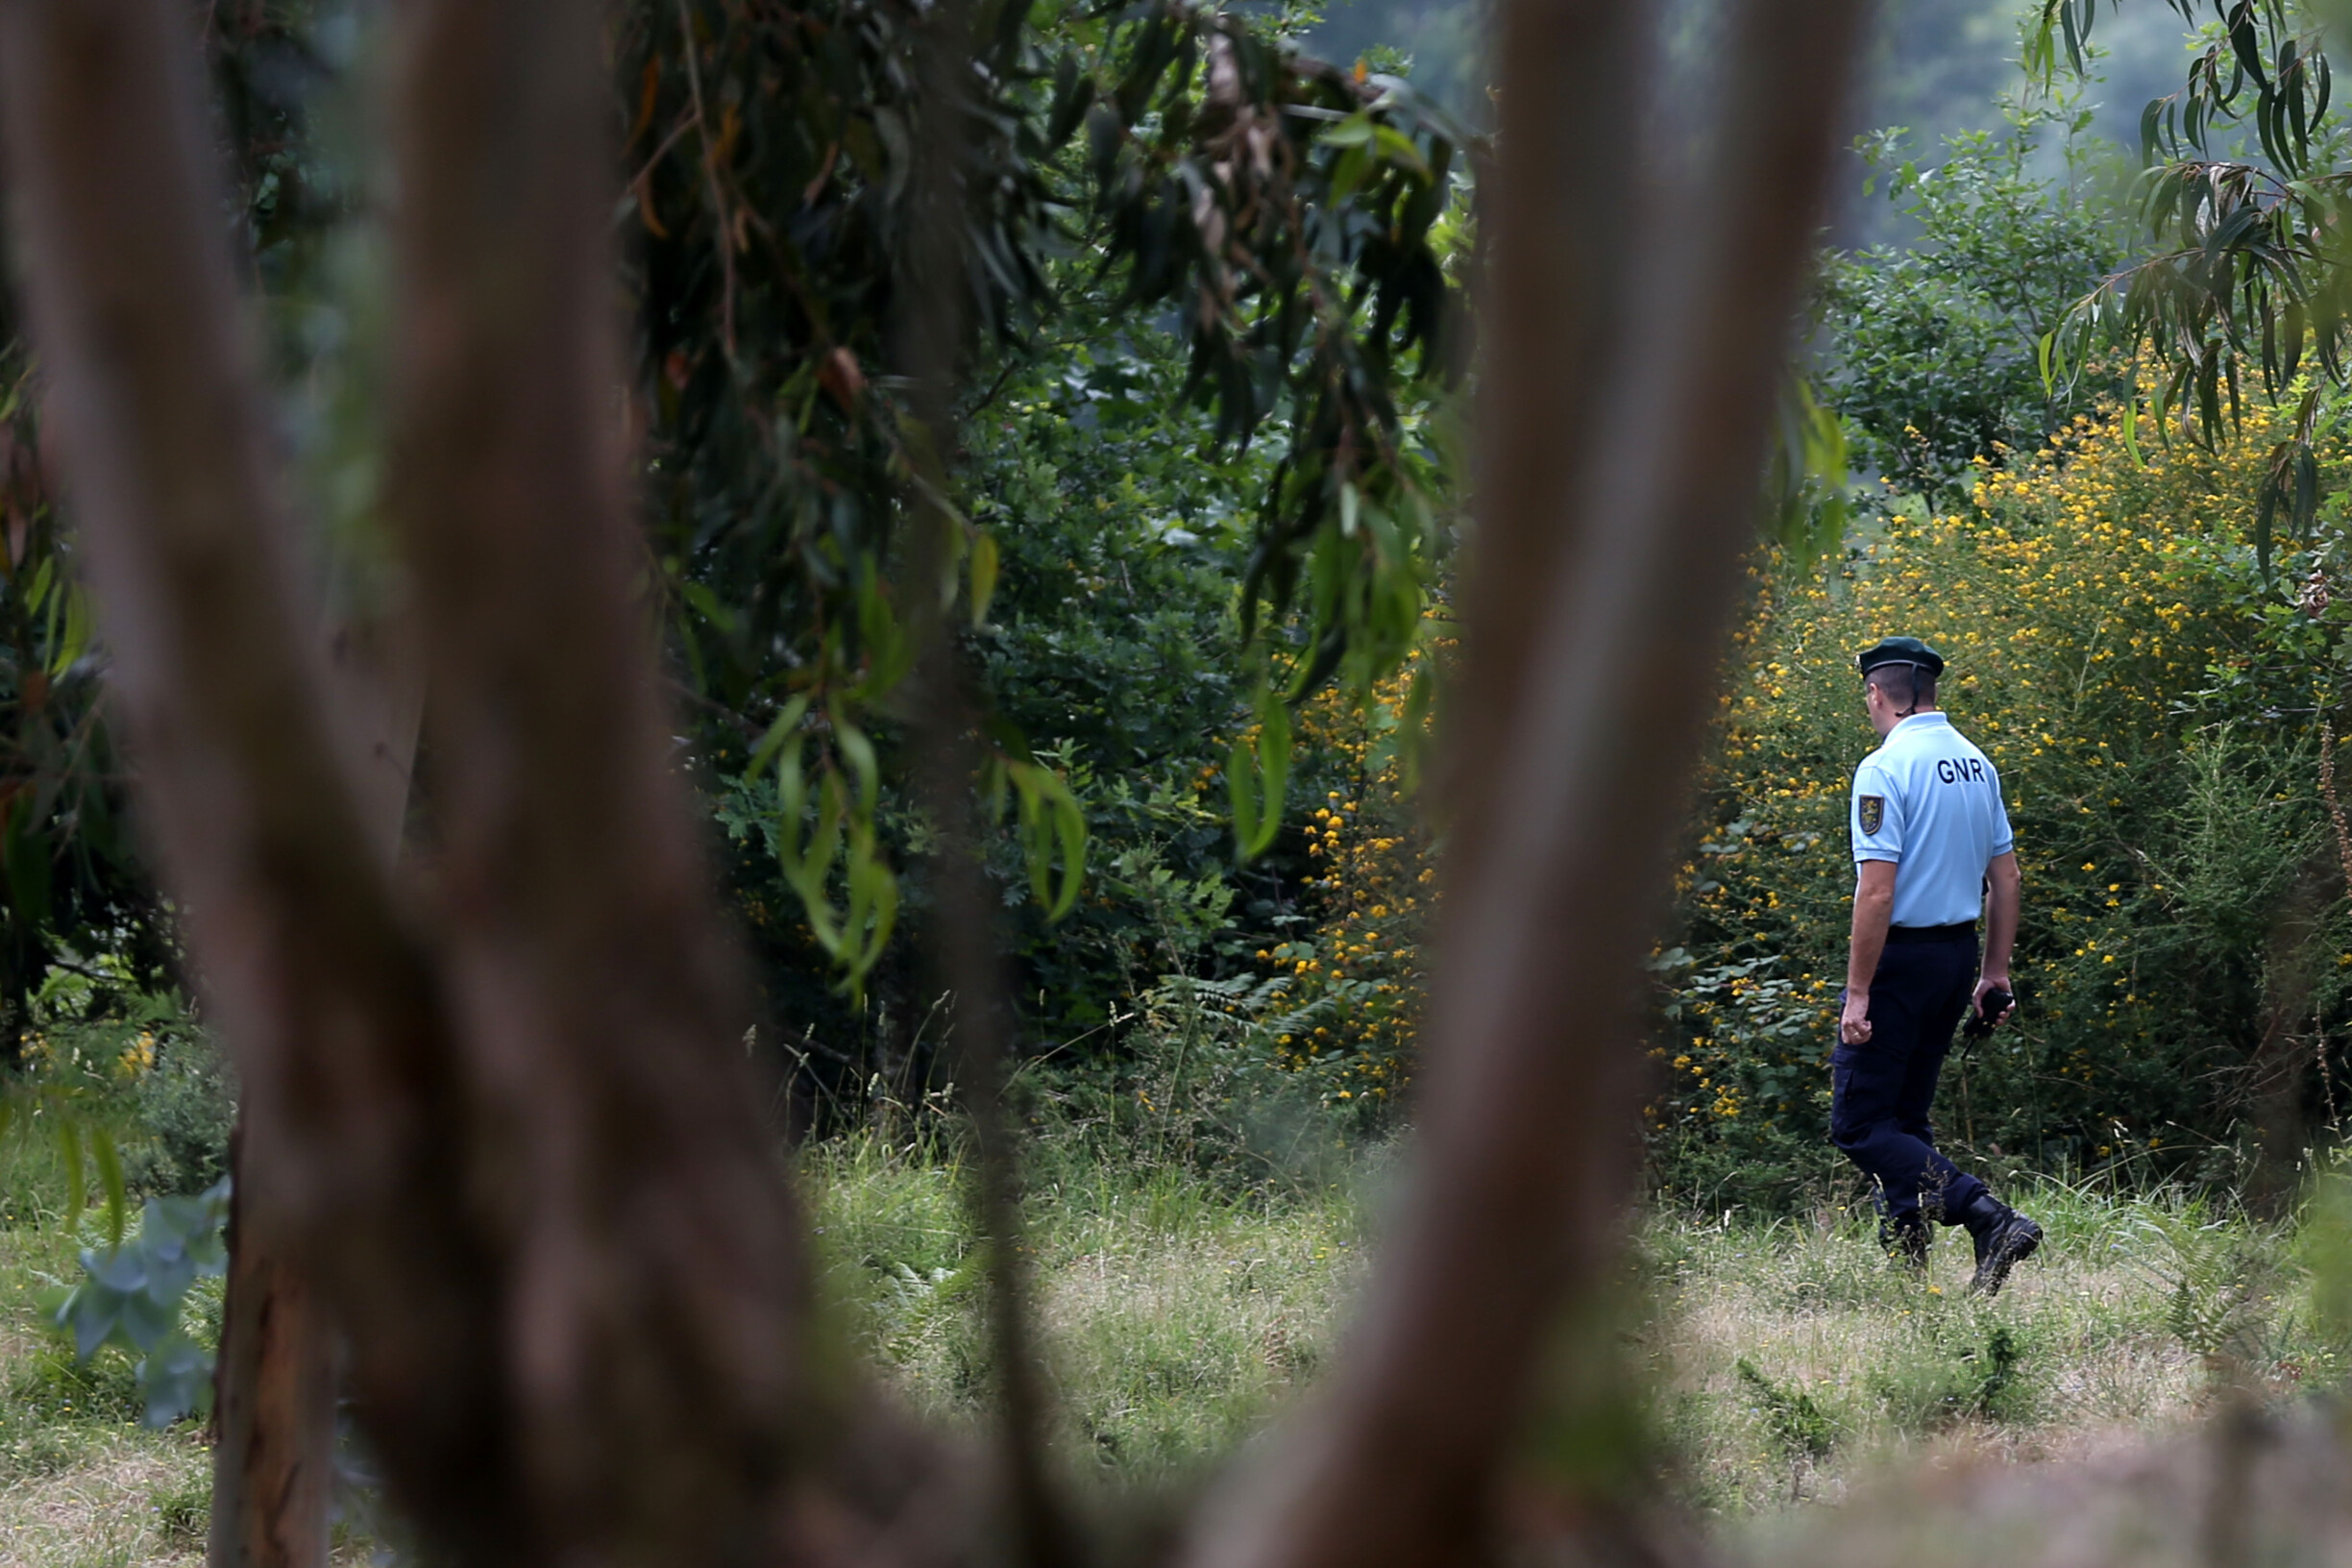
[{"x": 1899, "y": 935}]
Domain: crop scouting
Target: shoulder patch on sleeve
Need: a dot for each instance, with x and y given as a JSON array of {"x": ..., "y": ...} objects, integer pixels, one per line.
[{"x": 1872, "y": 808}]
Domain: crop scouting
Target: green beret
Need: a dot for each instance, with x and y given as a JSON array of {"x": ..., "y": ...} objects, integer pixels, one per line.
[{"x": 1900, "y": 650}]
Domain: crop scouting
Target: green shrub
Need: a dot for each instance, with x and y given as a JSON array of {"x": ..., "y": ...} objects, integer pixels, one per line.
[
  {"x": 31, "y": 1173},
  {"x": 134, "y": 1070},
  {"x": 2152, "y": 706},
  {"x": 47, "y": 1387},
  {"x": 1210, "y": 1087},
  {"x": 1960, "y": 1364},
  {"x": 1932, "y": 358},
  {"x": 185, "y": 1104}
]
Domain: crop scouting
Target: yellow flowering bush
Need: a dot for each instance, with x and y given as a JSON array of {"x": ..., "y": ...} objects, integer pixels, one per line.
[
  {"x": 2153, "y": 706},
  {"x": 1351, "y": 974}
]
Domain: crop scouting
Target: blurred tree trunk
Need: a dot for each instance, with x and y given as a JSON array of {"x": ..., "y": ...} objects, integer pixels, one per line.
[
  {"x": 505, "y": 1120},
  {"x": 1587, "y": 690},
  {"x": 276, "y": 1379}
]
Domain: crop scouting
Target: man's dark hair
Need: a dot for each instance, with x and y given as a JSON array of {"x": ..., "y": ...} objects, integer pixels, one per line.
[{"x": 1909, "y": 686}]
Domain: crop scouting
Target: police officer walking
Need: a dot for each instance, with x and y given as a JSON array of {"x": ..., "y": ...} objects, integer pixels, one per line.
[{"x": 1932, "y": 849}]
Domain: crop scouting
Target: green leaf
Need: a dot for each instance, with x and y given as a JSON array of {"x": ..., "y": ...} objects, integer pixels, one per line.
[
  {"x": 786, "y": 724},
  {"x": 860, "y": 751},
  {"x": 1070, "y": 825},
  {"x": 1355, "y": 165},
  {"x": 89, "y": 1312},
  {"x": 77, "y": 631},
  {"x": 1272, "y": 769},
  {"x": 176, "y": 1378},
  {"x": 707, "y": 604},
  {"x": 1242, "y": 795},
  {"x": 1400, "y": 150},
  {"x": 69, "y": 1150},
  {"x": 873, "y": 901},
  {"x": 1413, "y": 725}
]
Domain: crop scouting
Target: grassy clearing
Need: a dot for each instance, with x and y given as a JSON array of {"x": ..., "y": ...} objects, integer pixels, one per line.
[
  {"x": 1786, "y": 1361},
  {"x": 1789, "y": 1360},
  {"x": 1176, "y": 1317},
  {"x": 82, "y": 1483},
  {"x": 1787, "y": 1364}
]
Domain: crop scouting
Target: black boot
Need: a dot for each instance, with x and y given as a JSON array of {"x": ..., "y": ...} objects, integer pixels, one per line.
[
  {"x": 1905, "y": 1241},
  {"x": 2002, "y": 1237}
]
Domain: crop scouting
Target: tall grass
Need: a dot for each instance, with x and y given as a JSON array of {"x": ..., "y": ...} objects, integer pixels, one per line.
[
  {"x": 1788, "y": 1358},
  {"x": 1183, "y": 1302},
  {"x": 1779, "y": 1359},
  {"x": 1176, "y": 1314}
]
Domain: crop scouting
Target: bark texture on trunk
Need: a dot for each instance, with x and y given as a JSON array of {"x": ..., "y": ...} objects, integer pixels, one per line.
[
  {"x": 278, "y": 1377},
  {"x": 273, "y": 1459},
  {"x": 647, "y": 1335}
]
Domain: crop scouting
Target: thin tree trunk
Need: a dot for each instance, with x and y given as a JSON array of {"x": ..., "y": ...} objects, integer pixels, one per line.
[
  {"x": 278, "y": 1373},
  {"x": 1529, "y": 1131},
  {"x": 967, "y": 942}
]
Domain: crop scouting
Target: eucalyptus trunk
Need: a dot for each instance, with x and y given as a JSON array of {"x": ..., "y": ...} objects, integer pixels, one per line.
[{"x": 278, "y": 1372}]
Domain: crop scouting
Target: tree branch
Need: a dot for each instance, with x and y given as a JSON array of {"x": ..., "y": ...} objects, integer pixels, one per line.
[{"x": 658, "y": 1387}]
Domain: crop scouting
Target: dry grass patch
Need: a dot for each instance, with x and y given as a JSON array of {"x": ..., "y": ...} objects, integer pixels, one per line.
[{"x": 125, "y": 1496}]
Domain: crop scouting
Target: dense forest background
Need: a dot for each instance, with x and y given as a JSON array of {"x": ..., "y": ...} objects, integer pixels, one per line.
[{"x": 1138, "y": 612}]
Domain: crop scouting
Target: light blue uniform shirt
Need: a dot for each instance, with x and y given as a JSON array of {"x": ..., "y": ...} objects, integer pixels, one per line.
[{"x": 1928, "y": 802}]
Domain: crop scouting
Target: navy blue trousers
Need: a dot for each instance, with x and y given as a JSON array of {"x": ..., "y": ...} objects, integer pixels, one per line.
[{"x": 1880, "y": 1091}]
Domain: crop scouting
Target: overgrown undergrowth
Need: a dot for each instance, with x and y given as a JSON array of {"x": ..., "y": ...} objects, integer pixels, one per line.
[
  {"x": 1788, "y": 1361},
  {"x": 1781, "y": 1361},
  {"x": 1784, "y": 1362}
]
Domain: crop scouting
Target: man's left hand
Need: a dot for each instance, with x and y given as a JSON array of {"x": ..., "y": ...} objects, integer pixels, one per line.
[{"x": 1987, "y": 986}]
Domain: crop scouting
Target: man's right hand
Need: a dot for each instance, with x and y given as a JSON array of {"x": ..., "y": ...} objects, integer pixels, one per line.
[{"x": 1853, "y": 1024}]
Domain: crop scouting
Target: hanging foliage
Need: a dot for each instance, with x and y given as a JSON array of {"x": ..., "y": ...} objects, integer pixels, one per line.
[{"x": 1285, "y": 217}]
